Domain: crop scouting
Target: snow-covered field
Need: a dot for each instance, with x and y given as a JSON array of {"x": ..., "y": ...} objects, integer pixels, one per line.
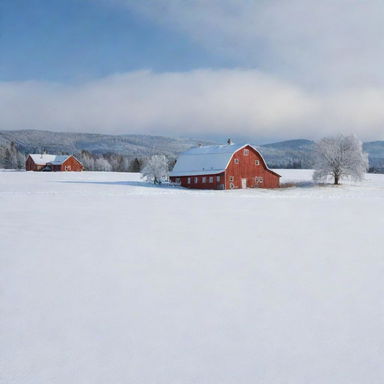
[{"x": 105, "y": 279}]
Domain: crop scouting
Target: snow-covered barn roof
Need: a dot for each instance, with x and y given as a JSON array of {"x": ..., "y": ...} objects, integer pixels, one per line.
[
  {"x": 206, "y": 160},
  {"x": 43, "y": 159}
]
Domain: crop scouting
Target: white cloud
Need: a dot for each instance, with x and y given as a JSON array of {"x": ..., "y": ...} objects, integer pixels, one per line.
[
  {"x": 226, "y": 102},
  {"x": 322, "y": 43}
]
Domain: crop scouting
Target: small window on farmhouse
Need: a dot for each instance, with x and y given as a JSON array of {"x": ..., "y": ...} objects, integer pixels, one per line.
[
  {"x": 231, "y": 178},
  {"x": 204, "y": 179},
  {"x": 177, "y": 179},
  {"x": 189, "y": 180},
  {"x": 218, "y": 179},
  {"x": 236, "y": 161},
  {"x": 196, "y": 180},
  {"x": 257, "y": 162},
  {"x": 211, "y": 179},
  {"x": 246, "y": 152}
]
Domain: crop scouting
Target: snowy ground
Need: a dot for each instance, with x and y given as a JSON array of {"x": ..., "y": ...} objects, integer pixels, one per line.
[{"x": 105, "y": 279}]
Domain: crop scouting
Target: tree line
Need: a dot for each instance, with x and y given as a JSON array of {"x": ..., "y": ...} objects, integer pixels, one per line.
[
  {"x": 12, "y": 157},
  {"x": 112, "y": 162}
]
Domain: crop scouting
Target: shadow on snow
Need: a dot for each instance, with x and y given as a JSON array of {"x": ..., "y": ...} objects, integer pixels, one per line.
[
  {"x": 127, "y": 183},
  {"x": 287, "y": 185}
]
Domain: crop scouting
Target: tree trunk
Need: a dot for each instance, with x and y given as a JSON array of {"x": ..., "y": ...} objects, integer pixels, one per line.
[{"x": 336, "y": 180}]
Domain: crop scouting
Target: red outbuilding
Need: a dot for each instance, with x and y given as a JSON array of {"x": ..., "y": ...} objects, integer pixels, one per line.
[
  {"x": 229, "y": 166},
  {"x": 53, "y": 163}
]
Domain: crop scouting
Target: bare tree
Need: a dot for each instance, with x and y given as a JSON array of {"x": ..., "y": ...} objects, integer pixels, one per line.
[
  {"x": 156, "y": 169},
  {"x": 339, "y": 157}
]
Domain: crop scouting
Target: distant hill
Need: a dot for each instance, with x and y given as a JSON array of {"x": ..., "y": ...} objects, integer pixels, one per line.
[
  {"x": 298, "y": 144},
  {"x": 284, "y": 154},
  {"x": 299, "y": 154},
  {"x": 29, "y": 141},
  {"x": 288, "y": 154},
  {"x": 375, "y": 150}
]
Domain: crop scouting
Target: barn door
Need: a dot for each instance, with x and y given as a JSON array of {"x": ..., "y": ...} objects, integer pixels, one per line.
[{"x": 243, "y": 183}]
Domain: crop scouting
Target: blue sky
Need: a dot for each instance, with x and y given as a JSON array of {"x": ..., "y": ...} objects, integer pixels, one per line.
[
  {"x": 72, "y": 40},
  {"x": 260, "y": 69}
]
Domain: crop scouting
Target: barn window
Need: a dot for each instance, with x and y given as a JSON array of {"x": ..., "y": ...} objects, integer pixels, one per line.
[
  {"x": 259, "y": 180},
  {"x": 246, "y": 152},
  {"x": 204, "y": 179},
  {"x": 231, "y": 178},
  {"x": 211, "y": 179},
  {"x": 196, "y": 180},
  {"x": 231, "y": 185},
  {"x": 257, "y": 162},
  {"x": 236, "y": 161},
  {"x": 189, "y": 180},
  {"x": 218, "y": 179},
  {"x": 67, "y": 167}
]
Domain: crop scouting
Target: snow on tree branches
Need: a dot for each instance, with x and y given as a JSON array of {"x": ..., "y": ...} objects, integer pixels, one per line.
[
  {"x": 339, "y": 157},
  {"x": 11, "y": 157},
  {"x": 156, "y": 169}
]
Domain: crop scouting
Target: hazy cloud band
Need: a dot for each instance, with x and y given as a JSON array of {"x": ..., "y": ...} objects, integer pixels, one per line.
[{"x": 226, "y": 102}]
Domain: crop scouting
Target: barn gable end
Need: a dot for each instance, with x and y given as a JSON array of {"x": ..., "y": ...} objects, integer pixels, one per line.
[{"x": 247, "y": 168}]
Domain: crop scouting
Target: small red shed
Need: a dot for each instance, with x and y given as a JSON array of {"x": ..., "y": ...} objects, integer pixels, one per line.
[
  {"x": 53, "y": 163},
  {"x": 229, "y": 166}
]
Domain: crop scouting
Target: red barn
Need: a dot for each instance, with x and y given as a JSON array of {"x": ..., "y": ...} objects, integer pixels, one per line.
[
  {"x": 53, "y": 163},
  {"x": 223, "y": 167}
]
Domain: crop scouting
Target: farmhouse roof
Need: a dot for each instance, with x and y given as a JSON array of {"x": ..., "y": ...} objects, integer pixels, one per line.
[
  {"x": 43, "y": 159},
  {"x": 206, "y": 160}
]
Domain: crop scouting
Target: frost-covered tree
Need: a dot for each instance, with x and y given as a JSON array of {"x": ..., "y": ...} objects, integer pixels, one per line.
[
  {"x": 11, "y": 157},
  {"x": 87, "y": 159},
  {"x": 339, "y": 157},
  {"x": 156, "y": 169},
  {"x": 102, "y": 164}
]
